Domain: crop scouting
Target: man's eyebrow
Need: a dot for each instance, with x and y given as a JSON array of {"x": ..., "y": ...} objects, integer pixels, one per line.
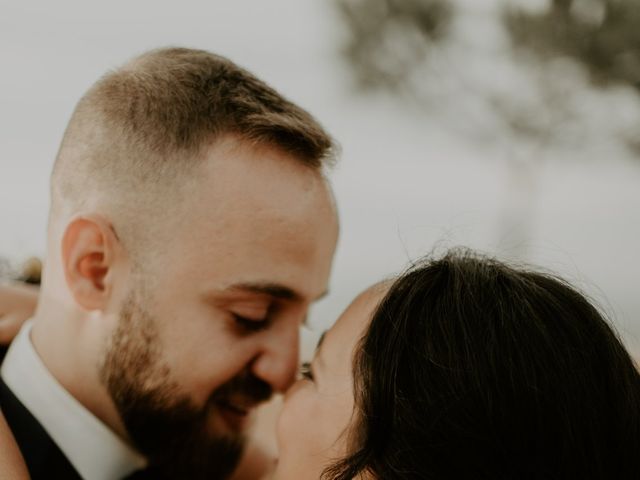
[{"x": 274, "y": 290}]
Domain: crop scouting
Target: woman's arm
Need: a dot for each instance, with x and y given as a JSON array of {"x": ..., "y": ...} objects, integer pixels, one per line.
[
  {"x": 17, "y": 304},
  {"x": 12, "y": 466}
]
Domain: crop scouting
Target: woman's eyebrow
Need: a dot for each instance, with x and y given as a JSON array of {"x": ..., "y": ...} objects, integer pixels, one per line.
[
  {"x": 320, "y": 340},
  {"x": 316, "y": 353}
]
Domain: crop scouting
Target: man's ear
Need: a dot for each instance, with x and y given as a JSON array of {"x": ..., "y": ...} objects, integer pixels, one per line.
[{"x": 90, "y": 249}]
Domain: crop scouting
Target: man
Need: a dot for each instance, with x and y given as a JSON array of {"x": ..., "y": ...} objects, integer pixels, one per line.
[{"x": 191, "y": 227}]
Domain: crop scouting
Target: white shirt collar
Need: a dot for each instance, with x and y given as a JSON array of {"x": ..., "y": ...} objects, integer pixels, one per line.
[{"x": 95, "y": 451}]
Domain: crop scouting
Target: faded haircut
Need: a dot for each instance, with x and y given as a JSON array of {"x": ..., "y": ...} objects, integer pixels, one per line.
[{"x": 139, "y": 132}]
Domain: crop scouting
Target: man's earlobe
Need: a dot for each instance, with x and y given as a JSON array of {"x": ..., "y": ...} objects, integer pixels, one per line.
[{"x": 88, "y": 248}]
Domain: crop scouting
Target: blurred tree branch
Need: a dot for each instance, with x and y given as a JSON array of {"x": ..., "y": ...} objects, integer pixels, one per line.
[
  {"x": 389, "y": 38},
  {"x": 28, "y": 272},
  {"x": 528, "y": 91},
  {"x": 5, "y": 269},
  {"x": 408, "y": 48},
  {"x": 603, "y": 35}
]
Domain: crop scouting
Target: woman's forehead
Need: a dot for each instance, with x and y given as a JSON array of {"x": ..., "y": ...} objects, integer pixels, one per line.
[{"x": 352, "y": 324}]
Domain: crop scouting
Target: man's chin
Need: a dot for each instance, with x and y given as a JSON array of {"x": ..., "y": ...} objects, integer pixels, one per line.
[
  {"x": 205, "y": 456},
  {"x": 180, "y": 443}
]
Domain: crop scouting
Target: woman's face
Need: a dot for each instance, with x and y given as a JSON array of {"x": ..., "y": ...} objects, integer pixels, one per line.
[{"x": 312, "y": 430}]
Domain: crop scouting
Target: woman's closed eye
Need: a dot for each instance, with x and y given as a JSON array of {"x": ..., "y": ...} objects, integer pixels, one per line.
[{"x": 306, "y": 372}]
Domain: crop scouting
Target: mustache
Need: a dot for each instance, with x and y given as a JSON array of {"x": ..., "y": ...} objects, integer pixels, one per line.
[{"x": 246, "y": 387}]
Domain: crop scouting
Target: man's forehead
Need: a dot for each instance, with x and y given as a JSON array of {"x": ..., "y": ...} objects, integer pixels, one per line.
[
  {"x": 269, "y": 228},
  {"x": 257, "y": 188}
]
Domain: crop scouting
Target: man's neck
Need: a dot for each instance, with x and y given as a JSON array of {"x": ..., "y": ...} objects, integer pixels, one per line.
[
  {"x": 69, "y": 346},
  {"x": 59, "y": 421}
]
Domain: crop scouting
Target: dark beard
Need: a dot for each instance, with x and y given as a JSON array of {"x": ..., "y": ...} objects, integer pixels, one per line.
[{"x": 163, "y": 423}]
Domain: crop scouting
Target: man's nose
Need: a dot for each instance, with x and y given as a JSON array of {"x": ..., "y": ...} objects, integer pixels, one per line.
[{"x": 277, "y": 362}]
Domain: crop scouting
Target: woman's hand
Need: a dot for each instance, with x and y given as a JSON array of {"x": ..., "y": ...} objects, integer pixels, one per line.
[{"x": 17, "y": 304}]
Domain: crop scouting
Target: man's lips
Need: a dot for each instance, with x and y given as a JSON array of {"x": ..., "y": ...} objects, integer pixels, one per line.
[
  {"x": 238, "y": 409},
  {"x": 235, "y": 412},
  {"x": 239, "y": 403}
]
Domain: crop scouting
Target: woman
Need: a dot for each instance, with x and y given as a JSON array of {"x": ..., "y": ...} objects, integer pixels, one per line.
[{"x": 465, "y": 368}]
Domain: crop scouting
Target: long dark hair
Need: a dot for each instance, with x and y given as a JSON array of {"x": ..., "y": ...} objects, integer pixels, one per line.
[{"x": 475, "y": 369}]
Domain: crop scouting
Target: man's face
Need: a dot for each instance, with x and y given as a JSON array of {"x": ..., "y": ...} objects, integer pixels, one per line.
[{"x": 210, "y": 328}]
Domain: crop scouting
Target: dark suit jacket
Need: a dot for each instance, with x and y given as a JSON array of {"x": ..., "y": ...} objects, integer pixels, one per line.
[{"x": 43, "y": 457}]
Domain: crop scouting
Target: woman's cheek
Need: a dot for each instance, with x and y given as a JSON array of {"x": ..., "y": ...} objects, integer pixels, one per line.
[
  {"x": 292, "y": 415},
  {"x": 296, "y": 433}
]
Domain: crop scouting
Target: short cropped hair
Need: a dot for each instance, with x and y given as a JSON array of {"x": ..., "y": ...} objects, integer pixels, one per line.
[
  {"x": 140, "y": 128},
  {"x": 472, "y": 368}
]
